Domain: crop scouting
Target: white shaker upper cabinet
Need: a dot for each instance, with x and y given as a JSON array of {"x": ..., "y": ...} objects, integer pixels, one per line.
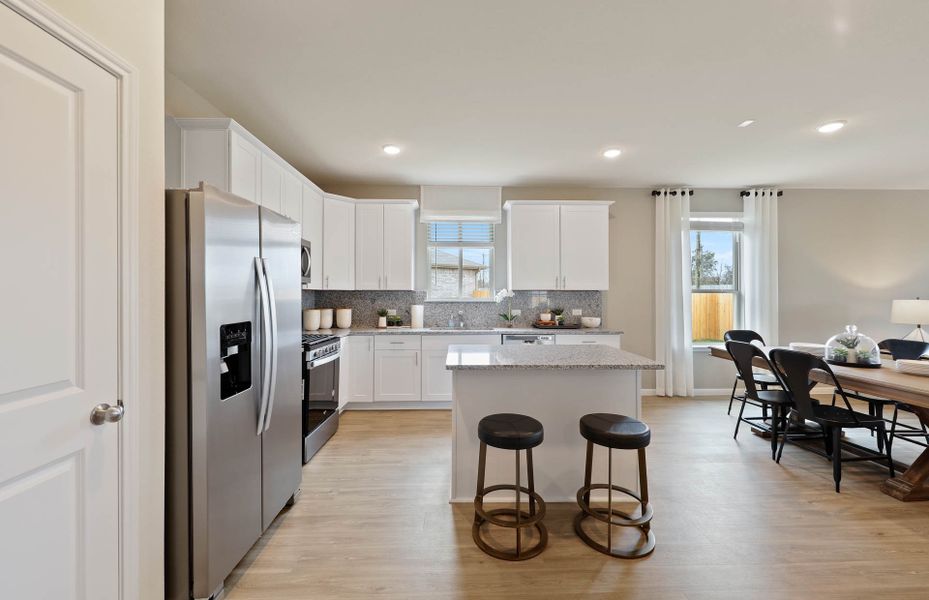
[
  {"x": 385, "y": 231},
  {"x": 338, "y": 243},
  {"x": 558, "y": 245},
  {"x": 532, "y": 236},
  {"x": 369, "y": 246},
  {"x": 312, "y": 225},
  {"x": 272, "y": 184},
  {"x": 292, "y": 207},
  {"x": 399, "y": 246},
  {"x": 585, "y": 247},
  {"x": 244, "y": 168}
]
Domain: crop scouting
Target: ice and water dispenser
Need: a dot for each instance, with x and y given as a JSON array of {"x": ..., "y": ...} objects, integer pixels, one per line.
[{"x": 235, "y": 362}]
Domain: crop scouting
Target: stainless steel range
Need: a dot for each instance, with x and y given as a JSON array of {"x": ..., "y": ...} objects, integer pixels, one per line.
[{"x": 320, "y": 391}]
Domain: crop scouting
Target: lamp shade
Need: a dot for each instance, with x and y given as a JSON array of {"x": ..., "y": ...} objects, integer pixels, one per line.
[{"x": 910, "y": 312}]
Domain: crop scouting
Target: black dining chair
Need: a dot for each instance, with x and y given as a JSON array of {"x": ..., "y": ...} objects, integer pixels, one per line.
[
  {"x": 743, "y": 355},
  {"x": 899, "y": 350},
  {"x": 763, "y": 380},
  {"x": 794, "y": 369}
]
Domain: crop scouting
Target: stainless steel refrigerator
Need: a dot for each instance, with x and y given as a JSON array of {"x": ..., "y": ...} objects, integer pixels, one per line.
[{"x": 233, "y": 413}]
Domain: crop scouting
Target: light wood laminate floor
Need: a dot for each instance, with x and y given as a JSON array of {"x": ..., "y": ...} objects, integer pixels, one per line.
[{"x": 374, "y": 522}]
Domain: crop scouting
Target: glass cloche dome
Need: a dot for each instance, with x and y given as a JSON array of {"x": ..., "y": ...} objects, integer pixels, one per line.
[{"x": 853, "y": 349}]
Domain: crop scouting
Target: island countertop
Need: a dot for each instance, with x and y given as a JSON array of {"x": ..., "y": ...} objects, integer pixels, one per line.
[{"x": 466, "y": 357}]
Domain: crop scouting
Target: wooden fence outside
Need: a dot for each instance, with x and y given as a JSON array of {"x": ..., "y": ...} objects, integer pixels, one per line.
[{"x": 712, "y": 315}]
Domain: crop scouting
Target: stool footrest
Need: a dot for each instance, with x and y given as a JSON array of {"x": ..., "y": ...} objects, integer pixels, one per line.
[
  {"x": 490, "y": 515},
  {"x": 644, "y": 549},
  {"x": 518, "y": 554},
  {"x": 602, "y": 514}
]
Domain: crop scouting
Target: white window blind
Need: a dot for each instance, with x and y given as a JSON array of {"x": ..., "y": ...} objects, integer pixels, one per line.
[{"x": 458, "y": 233}]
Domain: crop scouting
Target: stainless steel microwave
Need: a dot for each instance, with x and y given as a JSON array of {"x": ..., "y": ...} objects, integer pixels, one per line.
[{"x": 306, "y": 262}]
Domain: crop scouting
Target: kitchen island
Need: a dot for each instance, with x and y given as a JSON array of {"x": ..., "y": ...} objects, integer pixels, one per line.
[{"x": 556, "y": 385}]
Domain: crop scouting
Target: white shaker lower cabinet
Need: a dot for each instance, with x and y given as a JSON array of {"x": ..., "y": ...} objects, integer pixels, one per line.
[
  {"x": 345, "y": 373},
  {"x": 579, "y": 339},
  {"x": 360, "y": 368},
  {"x": 397, "y": 366},
  {"x": 437, "y": 380}
]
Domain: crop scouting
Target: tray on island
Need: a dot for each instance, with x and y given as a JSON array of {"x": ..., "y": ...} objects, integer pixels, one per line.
[
  {"x": 538, "y": 325},
  {"x": 856, "y": 365}
]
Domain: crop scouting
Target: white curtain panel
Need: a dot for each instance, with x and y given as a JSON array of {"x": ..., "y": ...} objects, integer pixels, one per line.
[
  {"x": 759, "y": 271},
  {"x": 673, "y": 338}
]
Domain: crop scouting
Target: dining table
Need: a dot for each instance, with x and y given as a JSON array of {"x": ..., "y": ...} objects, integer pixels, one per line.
[{"x": 884, "y": 382}]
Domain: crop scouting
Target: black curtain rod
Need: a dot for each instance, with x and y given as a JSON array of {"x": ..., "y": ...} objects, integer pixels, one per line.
[
  {"x": 673, "y": 192},
  {"x": 779, "y": 193}
]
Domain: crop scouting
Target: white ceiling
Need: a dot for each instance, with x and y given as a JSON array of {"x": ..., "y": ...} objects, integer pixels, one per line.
[{"x": 530, "y": 92}]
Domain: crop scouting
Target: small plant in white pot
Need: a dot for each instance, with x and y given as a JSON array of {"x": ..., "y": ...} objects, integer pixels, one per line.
[{"x": 382, "y": 317}]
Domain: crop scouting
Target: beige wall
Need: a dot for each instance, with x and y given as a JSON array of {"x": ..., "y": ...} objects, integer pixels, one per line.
[
  {"x": 181, "y": 100},
  {"x": 845, "y": 255},
  {"x": 134, "y": 30}
]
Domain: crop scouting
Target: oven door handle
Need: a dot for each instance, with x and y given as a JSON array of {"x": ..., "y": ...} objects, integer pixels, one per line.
[{"x": 322, "y": 361}]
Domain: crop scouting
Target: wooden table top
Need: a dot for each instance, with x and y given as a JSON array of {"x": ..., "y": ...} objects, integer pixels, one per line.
[{"x": 885, "y": 382}]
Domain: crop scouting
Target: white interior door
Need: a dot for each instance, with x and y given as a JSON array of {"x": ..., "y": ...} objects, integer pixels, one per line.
[{"x": 59, "y": 510}]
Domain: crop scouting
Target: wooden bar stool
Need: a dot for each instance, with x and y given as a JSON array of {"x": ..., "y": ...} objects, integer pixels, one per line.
[
  {"x": 509, "y": 431},
  {"x": 621, "y": 433}
]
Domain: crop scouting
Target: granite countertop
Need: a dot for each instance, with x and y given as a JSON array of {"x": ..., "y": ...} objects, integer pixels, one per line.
[
  {"x": 466, "y": 331},
  {"x": 516, "y": 356}
]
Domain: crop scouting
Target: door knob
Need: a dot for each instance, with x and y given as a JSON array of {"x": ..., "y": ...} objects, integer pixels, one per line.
[{"x": 104, "y": 413}]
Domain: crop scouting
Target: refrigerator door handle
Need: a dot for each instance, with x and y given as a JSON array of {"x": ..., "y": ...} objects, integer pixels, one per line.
[
  {"x": 273, "y": 312},
  {"x": 266, "y": 342}
]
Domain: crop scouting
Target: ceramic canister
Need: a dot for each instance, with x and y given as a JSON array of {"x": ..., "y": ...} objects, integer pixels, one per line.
[
  {"x": 311, "y": 319},
  {"x": 416, "y": 316},
  {"x": 343, "y": 318},
  {"x": 325, "y": 318}
]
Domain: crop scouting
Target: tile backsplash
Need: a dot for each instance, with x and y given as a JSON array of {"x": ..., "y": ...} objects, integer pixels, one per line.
[{"x": 364, "y": 305}]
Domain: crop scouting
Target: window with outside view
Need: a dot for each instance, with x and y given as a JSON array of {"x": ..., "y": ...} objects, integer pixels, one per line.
[
  {"x": 460, "y": 258},
  {"x": 714, "y": 274}
]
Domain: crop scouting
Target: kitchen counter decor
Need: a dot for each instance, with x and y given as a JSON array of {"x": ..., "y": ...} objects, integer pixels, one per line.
[{"x": 853, "y": 349}]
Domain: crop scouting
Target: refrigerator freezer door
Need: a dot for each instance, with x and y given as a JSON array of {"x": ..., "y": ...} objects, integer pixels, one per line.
[
  {"x": 225, "y": 459},
  {"x": 282, "y": 441}
]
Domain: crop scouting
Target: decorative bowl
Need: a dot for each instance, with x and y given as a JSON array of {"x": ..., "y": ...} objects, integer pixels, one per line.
[{"x": 590, "y": 322}]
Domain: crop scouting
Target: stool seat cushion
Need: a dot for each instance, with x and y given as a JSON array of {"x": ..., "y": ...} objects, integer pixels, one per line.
[
  {"x": 615, "y": 431},
  {"x": 510, "y": 431}
]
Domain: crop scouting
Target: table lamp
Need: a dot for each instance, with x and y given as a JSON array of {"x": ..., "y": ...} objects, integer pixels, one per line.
[{"x": 911, "y": 312}]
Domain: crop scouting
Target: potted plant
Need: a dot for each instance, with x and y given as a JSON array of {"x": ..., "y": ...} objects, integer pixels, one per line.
[
  {"x": 382, "y": 317},
  {"x": 394, "y": 320},
  {"x": 839, "y": 354},
  {"x": 508, "y": 316},
  {"x": 559, "y": 315}
]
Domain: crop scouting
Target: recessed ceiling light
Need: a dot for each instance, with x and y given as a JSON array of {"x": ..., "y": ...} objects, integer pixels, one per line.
[
  {"x": 391, "y": 149},
  {"x": 612, "y": 153},
  {"x": 831, "y": 127},
  {"x": 746, "y": 122}
]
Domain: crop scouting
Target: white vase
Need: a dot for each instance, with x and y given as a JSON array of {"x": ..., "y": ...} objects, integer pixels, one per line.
[
  {"x": 325, "y": 318},
  {"x": 311, "y": 319},
  {"x": 852, "y": 355},
  {"x": 382, "y": 322},
  {"x": 343, "y": 318}
]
